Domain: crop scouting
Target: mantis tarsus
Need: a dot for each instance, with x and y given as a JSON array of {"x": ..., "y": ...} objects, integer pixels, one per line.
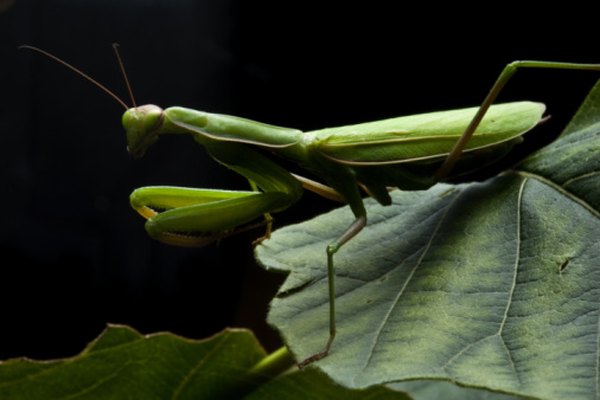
[{"x": 410, "y": 153}]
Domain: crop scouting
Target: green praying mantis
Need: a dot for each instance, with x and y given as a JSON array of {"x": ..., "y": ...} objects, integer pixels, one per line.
[{"x": 410, "y": 153}]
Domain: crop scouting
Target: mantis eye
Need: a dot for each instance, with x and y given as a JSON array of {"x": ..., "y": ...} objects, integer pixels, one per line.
[{"x": 142, "y": 125}]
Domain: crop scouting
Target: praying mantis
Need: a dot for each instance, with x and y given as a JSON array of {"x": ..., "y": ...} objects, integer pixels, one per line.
[{"x": 410, "y": 153}]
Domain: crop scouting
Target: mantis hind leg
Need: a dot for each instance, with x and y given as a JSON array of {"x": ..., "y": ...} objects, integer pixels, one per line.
[
  {"x": 501, "y": 81},
  {"x": 353, "y": 230}
]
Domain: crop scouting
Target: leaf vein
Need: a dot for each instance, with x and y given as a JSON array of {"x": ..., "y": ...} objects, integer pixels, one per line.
[
  {"x": 98, "y": 382},
  {"x": 578, "y": 177},
  {"x": 379, "y": 329},
  {"x": 187, "y": 378},
  {"x": 561, "y": 190},
  {"x": 514, "y": 282}
]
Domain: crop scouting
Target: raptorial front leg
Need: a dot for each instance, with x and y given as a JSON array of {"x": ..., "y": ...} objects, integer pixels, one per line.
[{"x": 194, "y": 217}]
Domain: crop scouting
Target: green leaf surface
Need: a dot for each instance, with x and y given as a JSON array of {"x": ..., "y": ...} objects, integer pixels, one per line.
[
  {"x": 493, "y": 284},
  {"x": 123, "y": 364},
  {"x": 310, "y": 384},
  {"x": 433, "y": 390}
]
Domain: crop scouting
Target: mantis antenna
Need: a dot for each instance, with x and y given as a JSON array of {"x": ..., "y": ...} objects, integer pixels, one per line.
[
  {"x": 81, "y": 73},
  {"x": 122, "y": 66}
]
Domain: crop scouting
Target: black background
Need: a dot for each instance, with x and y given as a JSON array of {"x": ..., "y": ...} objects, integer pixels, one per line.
[{"x": 75, "y": 256}]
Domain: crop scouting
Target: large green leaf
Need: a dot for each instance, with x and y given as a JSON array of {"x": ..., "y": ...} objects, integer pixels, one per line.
[
  {"x": 123, "y": 364},
  {"x": 493, "y": 284}
]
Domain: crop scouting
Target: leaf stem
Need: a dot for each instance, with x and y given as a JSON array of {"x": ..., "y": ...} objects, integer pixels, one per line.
[
  {"x": 268, "y": 368},
  {"x": 273, "y": 365}
]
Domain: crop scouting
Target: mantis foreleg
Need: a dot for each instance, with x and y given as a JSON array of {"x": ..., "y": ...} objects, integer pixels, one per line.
[
  {"x": 193, "y": 217},
  {"x": 207, "y": 215}
]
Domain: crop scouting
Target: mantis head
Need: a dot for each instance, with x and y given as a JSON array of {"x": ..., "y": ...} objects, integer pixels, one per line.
[{"x": 142, "y": 125}]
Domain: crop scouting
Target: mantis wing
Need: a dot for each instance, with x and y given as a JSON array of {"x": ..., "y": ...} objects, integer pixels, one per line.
[{"x": 424, "y": 136}]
